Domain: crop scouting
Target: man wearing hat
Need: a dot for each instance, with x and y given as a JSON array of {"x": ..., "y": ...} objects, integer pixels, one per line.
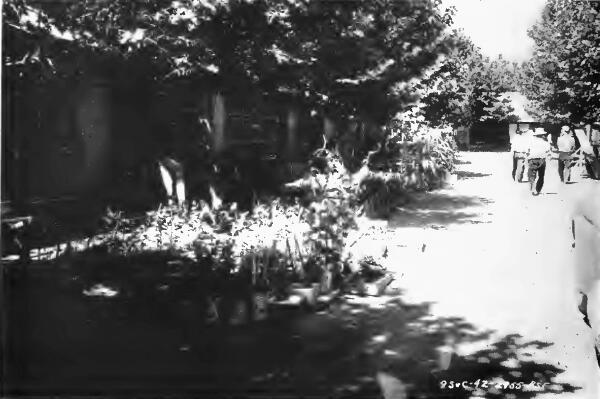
[
  {"x": 538, "y": 151},
  {"x": 566, "y": 148}
]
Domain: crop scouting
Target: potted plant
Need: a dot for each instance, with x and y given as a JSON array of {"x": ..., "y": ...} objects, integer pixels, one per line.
[
  {"x": 309, "y": 287},
  {"x": 332, "y": 271},
  {"x": 256, "y": 265},
  {"x": 374, "y": 278},
  {"x": 231, "y": 289}
]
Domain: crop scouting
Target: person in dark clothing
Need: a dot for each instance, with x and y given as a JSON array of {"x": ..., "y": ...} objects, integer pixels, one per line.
[
  {"x": 592, "y": 159},
  {"x": 594, "y": 138},
  {"x": 538, "y": 151}
]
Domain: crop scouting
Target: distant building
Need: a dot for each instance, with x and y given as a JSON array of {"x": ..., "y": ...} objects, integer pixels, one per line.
[{"x": 494, "y": 135}]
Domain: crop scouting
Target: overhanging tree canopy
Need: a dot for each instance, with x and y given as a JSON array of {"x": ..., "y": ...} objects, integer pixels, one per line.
[
  {"x": 351, "y": 56},
  {"x": 465, "y": 87},
  {"x": 562, "y": 80}
]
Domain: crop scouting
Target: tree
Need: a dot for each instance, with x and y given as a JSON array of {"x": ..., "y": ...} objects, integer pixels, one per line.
[
  {"x": 350, "y": 56},
  {"x": 562, "y": 78},
  {"x": 465, "y": 87},
  {"x": 366, "y": 51}
]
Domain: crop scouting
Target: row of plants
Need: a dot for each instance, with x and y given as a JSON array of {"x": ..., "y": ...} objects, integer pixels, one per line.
[
  {"x": 281, "y": 250},
  {"x": 284, "y": 251}
]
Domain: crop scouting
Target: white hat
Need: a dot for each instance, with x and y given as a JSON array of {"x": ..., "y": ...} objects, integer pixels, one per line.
[{"x": 539, "y": 131}]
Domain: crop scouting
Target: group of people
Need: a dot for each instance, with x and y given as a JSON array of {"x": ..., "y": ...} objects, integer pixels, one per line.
[{"x": 533, "y": 147}]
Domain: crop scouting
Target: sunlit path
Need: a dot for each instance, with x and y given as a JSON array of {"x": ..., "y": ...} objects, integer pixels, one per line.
[{"x": 488, "y": 251}]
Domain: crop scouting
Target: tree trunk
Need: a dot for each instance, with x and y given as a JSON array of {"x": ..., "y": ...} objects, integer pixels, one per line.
[
  {"x": 292, "y": 132},
  {"x": 329, "y": 129},
  {"x": 219, "y": 118}
]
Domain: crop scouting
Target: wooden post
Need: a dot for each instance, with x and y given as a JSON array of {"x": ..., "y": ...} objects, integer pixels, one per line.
[
  {"x": 464, "y": 137},
  {"x": 512, "y": 131},
  {"x": 219, "y": 119}
]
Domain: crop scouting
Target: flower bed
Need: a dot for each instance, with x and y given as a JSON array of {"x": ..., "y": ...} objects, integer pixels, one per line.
[{"x": 290, "y": 250}]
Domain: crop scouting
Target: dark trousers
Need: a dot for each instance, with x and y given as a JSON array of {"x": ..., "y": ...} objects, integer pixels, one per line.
[
  {"x": 592, "y": 164},
  {"x": 537, "y": 168},
  {"x": 518, "y": 167},
  {"x": 564, "y": 167}
]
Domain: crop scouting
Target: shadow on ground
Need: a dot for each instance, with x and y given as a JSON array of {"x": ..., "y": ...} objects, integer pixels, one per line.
[
  {"x": 489, "y": 147},
  {"x": 438, "y": 209},
  {"x": 463, "y": 174},
  {"x": 74, "y": 345}
]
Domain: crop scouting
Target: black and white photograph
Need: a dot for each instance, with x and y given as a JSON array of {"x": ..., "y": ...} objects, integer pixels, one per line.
[{"x": 337, "y": 199}]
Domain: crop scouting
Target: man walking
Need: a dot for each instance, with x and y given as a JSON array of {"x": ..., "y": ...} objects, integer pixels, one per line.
[
  {"x": 519, "y": 150},
  {"x": 566, "y": 148},
  {"x": 592, "y": 158},
  {"x": 595, "y": 139},
  {"x": 538, "y": 151}
]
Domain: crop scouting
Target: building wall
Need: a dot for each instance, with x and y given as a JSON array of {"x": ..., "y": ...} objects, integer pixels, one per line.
[{"x": 490, "y": 136}]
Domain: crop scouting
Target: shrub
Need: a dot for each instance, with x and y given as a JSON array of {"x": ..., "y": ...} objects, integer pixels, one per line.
[
  {"x": 412, "y": 157},
  {"x": 267, "y": 248}
]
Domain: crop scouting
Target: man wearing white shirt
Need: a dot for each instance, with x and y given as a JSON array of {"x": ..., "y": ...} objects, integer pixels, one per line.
[
  {"x": 566, "y": 147},
  {"x": 538, "y": 150},
  {"x": 519, "y": 150}
]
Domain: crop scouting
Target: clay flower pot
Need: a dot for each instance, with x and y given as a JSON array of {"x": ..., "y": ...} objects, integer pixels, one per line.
[
  {"x": 309, "y": 294},
  {"x": 377, "y": 287}
]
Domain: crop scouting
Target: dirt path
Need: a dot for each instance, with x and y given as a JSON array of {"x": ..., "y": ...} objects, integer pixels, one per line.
[{"x": 489, "y": 252}]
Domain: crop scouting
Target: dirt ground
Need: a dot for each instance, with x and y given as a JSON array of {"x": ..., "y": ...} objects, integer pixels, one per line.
[{"x": 487, "y": 250}]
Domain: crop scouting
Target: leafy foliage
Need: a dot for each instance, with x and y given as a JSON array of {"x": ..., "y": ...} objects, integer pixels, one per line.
[
  {"x": 465, "y": 87},
  {"x": 561, "y": 80},
  {"x": 271, "y": 246},
  {"x": 347, "y": 56},
  {"x": 413, "y": 157}
]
